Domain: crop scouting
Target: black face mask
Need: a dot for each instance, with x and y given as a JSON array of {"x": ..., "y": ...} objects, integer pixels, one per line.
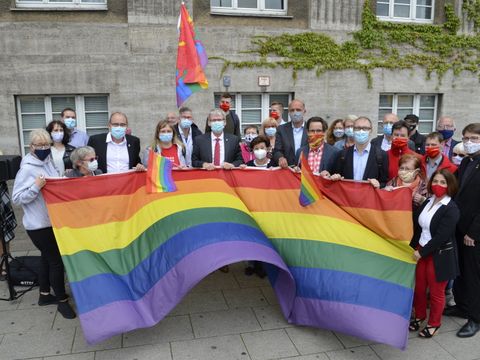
[
  {"x": 411, "y": 127},
  {"x": 42, "y": 154}
]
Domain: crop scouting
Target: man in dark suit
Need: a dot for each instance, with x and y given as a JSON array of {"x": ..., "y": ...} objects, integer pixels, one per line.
[
  {"x": 187, "y": 131},
  {"x": 290, "y": 136},
  {"x": 363, "y": 161},
  {"x": 446, "y": 127},
  {"x": 466, "y": 288},
  {"x": 321, "y": 156},
  {"x": 419, "y": 140},
  {"x": 216, "y": 148},
  {"x": 232, "y": 122},
  {"x": 117, "y": 151}
]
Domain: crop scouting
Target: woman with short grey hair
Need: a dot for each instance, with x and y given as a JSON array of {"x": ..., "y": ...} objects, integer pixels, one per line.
[{"x": 84, "y": 162}]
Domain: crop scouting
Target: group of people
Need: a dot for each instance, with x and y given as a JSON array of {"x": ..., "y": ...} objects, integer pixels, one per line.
[{"x": 442, "y": 173}]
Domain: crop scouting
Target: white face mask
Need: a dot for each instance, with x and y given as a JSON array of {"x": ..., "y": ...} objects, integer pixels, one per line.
[
  {"x": 260, "y": 154},
  {"x": 471, "y": 147},
  {"x": 92, "y": 165},
  {"x": 457, "y": 159}
]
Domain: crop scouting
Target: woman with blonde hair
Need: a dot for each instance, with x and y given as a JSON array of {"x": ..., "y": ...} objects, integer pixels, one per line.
[
  {"x": 167, "y": 144},
  {"x": 269, "y": 129}
]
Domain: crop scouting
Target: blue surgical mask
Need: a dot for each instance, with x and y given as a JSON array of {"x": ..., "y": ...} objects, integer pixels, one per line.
[
  {"x": 70, "y": 123},
  {"x": 387, "y": 129},
  {"x": 118, "y": 132},
  {"x": 349, "y": 131},
  {"x": 270, "y": 131},
  {"x": 57, "y": 136},
  {"x": 185, "y": 123},
  {"x": 361, "y": 136},
  {"x": 42, "y": 154},
  {"x": 165, "y": 137},
  {"x": 217, "y": 126},
  {"x": 338, "y": 133},
  {"x": 296, "y": 116},
  {"x": 447, "y": 134}
]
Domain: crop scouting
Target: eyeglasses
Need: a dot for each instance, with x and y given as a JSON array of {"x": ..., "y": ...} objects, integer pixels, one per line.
[
  {"x": 41, "y": 146},
  {"x": 91, "y": 159},
  {"x": 316, "y": 131},
  {"x": 471, "y": 138},
  {"x": 364, "y": 128},
  {"x": 446, "y": 127},
  {"x": 461, "y": 155}
]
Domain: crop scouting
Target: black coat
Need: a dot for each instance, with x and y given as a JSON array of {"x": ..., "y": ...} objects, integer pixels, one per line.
[
  {"x": 285, "y": 143},
  {"x": 442, "y": 246},
  {"x": 66, "y": 156},
  {"x": 202, "y": 150},
  {"x": 98, "y": 142}
]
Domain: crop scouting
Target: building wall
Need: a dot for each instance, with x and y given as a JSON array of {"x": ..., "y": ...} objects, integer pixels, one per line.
[{"x": 129, "y": 53}]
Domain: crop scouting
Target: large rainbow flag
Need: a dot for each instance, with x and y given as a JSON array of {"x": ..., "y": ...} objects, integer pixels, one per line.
[{"x": 342, "y": 263}]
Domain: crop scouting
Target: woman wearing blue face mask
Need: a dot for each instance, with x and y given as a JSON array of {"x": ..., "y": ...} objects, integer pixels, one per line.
[
  {"x": 60, "y": 150},
  {"x": 348, "y": 140},
  {"x": 335, "y": 132},
  {"x": 30, "y": 179},
  {"x": 167, "y": 144},
  {"x": 269, "y": 129}
]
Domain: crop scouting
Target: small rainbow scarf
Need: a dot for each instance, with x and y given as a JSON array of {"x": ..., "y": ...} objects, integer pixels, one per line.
[
  {"x": 159, "y": 174},
  {"x": 309, "y": 191}
]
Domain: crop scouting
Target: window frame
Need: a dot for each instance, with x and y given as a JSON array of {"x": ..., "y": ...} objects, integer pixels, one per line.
[
  {"x": 259, "y": 11},
  {"x": 416, "y": 108},
  {"x": 47, "y": 5},
  {"x": 413, "y": 13},
  {"x": 79, "y": 110}
]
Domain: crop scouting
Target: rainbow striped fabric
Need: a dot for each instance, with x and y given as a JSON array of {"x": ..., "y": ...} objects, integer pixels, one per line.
[
  {"x": 159, "y": 174},
  {"x": 309, "y": 192},
  {"x": 342, "y": 263}
]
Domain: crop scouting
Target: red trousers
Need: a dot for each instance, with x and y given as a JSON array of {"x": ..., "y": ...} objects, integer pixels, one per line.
[{"x": 425, "y": 278}]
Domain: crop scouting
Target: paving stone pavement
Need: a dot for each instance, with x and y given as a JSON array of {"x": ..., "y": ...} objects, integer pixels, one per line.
[{"x": 226, "y": 316}]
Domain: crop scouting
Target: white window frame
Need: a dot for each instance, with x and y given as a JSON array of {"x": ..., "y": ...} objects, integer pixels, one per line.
[
  {"x": 416, "y": 108},
  {"x": 413, "y": 13},
  {"x": 67, "y": 5},
  {"x": 259, "y": 11},
  {"x": 79, "y": 110}
]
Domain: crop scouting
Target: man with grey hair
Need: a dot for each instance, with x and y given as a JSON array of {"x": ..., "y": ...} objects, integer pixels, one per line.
[
  {"x": 446, "y": 127},
  {"x": 216, "y": 149}
]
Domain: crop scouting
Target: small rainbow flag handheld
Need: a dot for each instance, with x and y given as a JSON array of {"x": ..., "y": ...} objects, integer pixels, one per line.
[
  {"x": 309, "y": 191},
  {"x": 159, "y": 174}
]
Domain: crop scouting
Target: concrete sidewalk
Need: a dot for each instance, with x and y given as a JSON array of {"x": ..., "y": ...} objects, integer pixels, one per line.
[{"x": 227, "y": 316}]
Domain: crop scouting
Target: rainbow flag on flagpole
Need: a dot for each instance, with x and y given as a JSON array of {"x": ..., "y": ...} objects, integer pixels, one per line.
[
  {"x": 191, "y": 59},
  {"x": 309, "y": 192},
  {"x": 159, "y": 174}
]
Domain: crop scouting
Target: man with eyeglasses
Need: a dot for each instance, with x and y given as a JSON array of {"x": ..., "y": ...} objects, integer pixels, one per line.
[
  {"x": 363, "y": 162},
  {"x": 446, "y": 127},
  {"x": 116, "y": 150},
  {"x": 466, "y": 288}
]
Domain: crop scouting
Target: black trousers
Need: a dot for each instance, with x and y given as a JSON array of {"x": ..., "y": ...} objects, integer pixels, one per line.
[
  {"x": 466, "y": 288},
  {"x": 51, "y": 271}
]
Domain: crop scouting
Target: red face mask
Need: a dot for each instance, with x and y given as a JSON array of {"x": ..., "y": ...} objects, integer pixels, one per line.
[
  {"x": 225, "y": 106},
  {"x": 399, "y": 143},
  {"x": 439, "y": 190},
  {"x": 432, "y": 152},
  {"x": 274, "y": 115}
]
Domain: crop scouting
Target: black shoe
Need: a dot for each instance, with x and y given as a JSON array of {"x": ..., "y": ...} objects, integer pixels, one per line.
[
  {"x": 66, "y": 310},
  {"x": 49, "y": 299},
  {"x": 454, "y": 311},
  {"x": 469, "y": 329}
]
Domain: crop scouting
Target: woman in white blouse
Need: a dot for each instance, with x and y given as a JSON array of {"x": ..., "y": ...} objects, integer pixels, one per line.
[
  {"x": 435, "y": 250},
  {"x": 60, "y": 150}
]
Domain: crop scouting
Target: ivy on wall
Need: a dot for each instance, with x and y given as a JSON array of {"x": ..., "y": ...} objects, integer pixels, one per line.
[
  {"x": 379, "y": 44},
  {"x": 472, "y": 9}
]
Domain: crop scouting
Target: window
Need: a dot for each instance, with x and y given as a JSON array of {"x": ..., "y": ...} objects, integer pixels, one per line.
[
  {"x": 37, "y": 111},
  {"x": 405, "y": 10},
  {"x": 249, "y": 7},
  {"x": 422, "y": 105},
  {"x": 252, "y": 109},
  {"x": 63, "y": 4}
]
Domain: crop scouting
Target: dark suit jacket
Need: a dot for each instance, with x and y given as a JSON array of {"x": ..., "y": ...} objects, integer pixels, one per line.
[
  {"x": 442, "y": 246},
  {"x": 468, "y": 199},
  {"x": 378, "y": 142},
  {"x": 344, "y": 165},
  {"x": 450, "y": 151},
  {"x": 232, "y": 127},
  {"x": 285, "y": 144},
  {"x": 328, "y": 161},
  {"x": 419, "y": 141},
  {"x": 194, "y": 129},
  {"x": 202, "y": 150},
  {"x": 98, "y": 142}
]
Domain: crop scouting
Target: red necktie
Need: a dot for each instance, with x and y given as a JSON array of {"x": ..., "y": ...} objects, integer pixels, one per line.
[{"x": 216, "y": 155}]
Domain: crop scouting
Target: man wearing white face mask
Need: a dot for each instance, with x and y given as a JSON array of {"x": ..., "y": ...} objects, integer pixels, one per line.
[
  {"x": 290, "y": 136},
  {"x": 188, "y": 131},
  {"x": 77, "y": 137},
  {"x": 117, "y": 151},
  {"x": 363, "y": 161},
  {"x": 217, "y": 149}
]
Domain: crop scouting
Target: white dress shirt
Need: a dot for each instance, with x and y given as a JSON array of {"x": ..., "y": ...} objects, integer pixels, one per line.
[
  {"x": 386, "y": 145},
  {"x": 426, "y": 216},
  {"x": 297, "y": 136},
  {"x": 222, "y": 147},
  {"x": 188, "y": 142},
  {"x": 118, "y": 159}
]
